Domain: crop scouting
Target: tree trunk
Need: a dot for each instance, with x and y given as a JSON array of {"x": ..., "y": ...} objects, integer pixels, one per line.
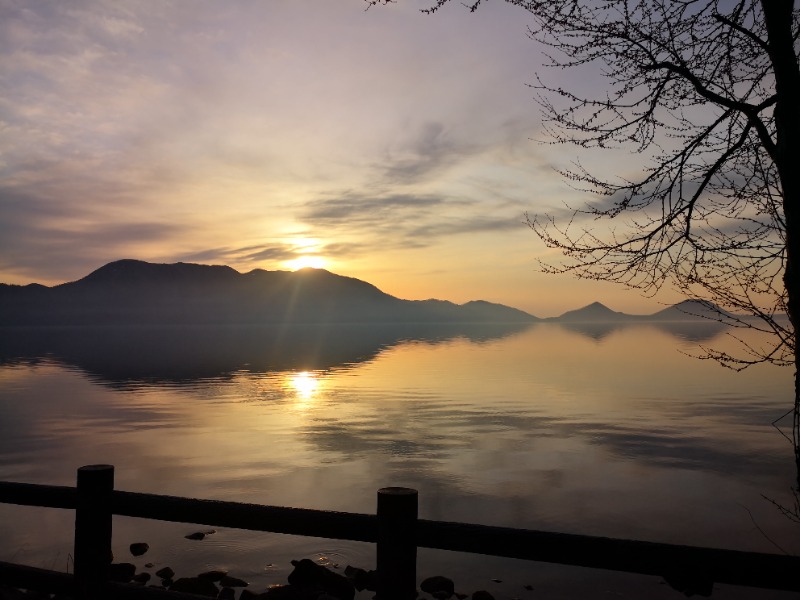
[{"x": 778, "y": 20}]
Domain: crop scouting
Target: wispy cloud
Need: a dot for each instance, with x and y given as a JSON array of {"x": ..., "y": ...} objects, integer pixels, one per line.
[
  {"x": 428, "y": 152},
  {"x": 354, "y": 208},
  {"x": 474, "y": 224}
]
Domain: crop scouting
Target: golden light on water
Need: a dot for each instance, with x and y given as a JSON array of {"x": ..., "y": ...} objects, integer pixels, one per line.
[{"x": 304, "y": 383}]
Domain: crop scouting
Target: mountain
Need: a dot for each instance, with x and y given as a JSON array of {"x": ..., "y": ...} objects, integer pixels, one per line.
[
  {"x": 132, "y": 292},
  {"x": 691, "y": 310},
  {"x": 593, "y": 312}
]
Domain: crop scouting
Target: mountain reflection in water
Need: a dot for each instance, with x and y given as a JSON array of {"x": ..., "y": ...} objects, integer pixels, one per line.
[
  {"x": 693, "y": 331},
  {"x": 189, "y": 353}
]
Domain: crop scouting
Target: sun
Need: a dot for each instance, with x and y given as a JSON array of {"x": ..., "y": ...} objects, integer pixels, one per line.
[{"x": 307, "y": 260}]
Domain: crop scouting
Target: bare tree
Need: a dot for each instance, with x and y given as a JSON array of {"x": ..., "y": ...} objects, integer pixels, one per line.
[{"x": 706, "y": 93}]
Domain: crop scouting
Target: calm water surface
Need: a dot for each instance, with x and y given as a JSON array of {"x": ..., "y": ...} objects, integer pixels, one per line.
[{"x": 602, "y": 431}]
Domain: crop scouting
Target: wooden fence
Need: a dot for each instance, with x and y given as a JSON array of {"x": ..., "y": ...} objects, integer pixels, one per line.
[{"x": 395, "y": 529}]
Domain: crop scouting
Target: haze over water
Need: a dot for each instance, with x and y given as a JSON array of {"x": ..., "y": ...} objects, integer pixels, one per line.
[{"x": 612, "y": 432}]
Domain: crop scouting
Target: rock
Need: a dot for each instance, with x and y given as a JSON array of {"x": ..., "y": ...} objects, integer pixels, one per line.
[
  {"x": 141, "y": 578},
  {"x": 200, "y": 535},
  {"x": 36, "y": 595},
  {"x": 195, "y": 585},
  {"x": 149, "y": 565},
  {"x": 139, "y": 548},
  {"x": 438, "y": 586},
  {"x": 165, "y": 573},
  {"x": 121, "y": 572},
  {"x": 362, "y": 580},
  {"x": 213, "y": 575},
  {"x": 9, "y": 593},
  {"x": 482, "y": 595},
  {"x": 306, "y": 573},
  {"x": 226, "y": 593},
  {"x": 228, "y": 581},
  {"x": 289, "y": 592},
  {"x": 690, "y": 581}
]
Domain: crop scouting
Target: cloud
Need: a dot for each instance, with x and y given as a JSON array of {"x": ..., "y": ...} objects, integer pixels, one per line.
[
  {"x": 353, "y": 207},
  {"x": 53, "y": 253},
  {"x": 431, "y": 151},
  {"x": 247, "y": 254},
  {"x": 380, "y": 222},
  {"x": 474, "y": 224},
  {"x": 279, "y": 252}
]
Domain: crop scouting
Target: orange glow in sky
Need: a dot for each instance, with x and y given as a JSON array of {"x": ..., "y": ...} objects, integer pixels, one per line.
[{"x": 306, "y": 261}]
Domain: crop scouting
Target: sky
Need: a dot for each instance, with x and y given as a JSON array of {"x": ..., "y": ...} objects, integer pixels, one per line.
[{"x": 399, "y": 148}]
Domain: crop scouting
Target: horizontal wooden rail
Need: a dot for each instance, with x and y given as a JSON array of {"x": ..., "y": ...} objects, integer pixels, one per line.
[
  {"x": 772, "y": 571},
  {"x": 34, "y": 494},
  {"x": 707, "y": 564},
  {"x": 255, "y": 517}
]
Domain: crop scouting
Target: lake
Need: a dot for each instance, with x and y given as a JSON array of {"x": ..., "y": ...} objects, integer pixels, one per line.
[{"x": 602, "y": 430}]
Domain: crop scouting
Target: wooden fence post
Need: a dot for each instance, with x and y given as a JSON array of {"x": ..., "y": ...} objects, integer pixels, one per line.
[
  {"x": 93, "y": 530},
  {"x": 397, "y": 544}
]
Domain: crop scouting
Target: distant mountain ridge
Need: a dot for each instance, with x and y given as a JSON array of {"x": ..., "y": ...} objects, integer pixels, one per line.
[
  {"x": 130, "y": 292},
  {"x": 687, "y": 310}
]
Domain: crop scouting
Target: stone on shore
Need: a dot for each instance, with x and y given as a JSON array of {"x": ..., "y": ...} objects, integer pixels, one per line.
[
  {"x": 142, "y": 578},
  {"x": 213, "y": 575},
  {"x": 139, "y": 548},
  {"x": 438, "y": 586},
  {"x": 226, "y": 593},
  {"x": 231, "y": 582},
  {"x": 362, "y": 580},
  {"x": 121, "y": 572},
  {"x": 195, "y": 585},
  {"x": 200, "y": 535},
  {"x": 307, "y": 573},
  {"x": 165, "y": 573}
]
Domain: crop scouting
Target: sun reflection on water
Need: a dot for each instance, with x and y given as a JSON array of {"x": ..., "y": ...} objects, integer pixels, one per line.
[{"x": 305, "y": 384}]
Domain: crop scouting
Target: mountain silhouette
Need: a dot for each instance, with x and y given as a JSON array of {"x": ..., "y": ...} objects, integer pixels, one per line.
[
  {"x": 133, "y": 292},
  {"x": 691, "y": 310},
  {"x": 593, "y": 312},
  {"x": 688, "y": 311}
]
